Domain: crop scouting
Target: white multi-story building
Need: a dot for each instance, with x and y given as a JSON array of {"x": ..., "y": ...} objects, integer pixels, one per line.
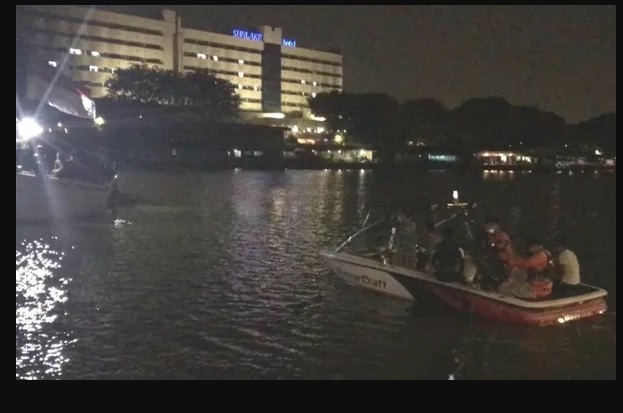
[{"x": 272, "y": 74}]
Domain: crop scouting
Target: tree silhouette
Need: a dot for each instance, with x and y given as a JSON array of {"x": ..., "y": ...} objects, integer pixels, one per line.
[{"x": 201, "y": 92}]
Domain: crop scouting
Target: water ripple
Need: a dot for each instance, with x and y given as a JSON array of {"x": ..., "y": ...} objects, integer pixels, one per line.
[{"x": 218, "y": 277}]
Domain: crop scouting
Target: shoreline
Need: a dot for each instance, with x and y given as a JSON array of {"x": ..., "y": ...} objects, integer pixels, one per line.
[{"x": 267, "y": 166}]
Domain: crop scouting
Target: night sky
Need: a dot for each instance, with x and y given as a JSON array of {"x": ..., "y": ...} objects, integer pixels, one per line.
[{"x": 558, "y": 58}]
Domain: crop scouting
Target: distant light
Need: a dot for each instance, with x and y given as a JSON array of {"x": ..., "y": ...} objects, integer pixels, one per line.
[
  {"x": 95, "y": 53},
  {"x": 318, "y": 118},
  {"x": 273, "y": 115},
  {"x": 455, "y": 195},
  {"x": 99, "y": 121},
  {"x": 598, "y": 152},
  {"x": 52, "y": 63}
]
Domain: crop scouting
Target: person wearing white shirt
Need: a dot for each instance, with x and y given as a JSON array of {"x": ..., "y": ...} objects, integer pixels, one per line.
[{"x": 567, "y": 266}]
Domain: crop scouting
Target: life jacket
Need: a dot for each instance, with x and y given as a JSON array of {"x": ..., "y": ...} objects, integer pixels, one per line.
[
  {"x": 541, "y": 287},
  {"x": 541, "y": 282}
]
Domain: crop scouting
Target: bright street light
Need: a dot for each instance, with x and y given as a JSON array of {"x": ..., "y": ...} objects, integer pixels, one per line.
[{"x": 28, "y": 128}]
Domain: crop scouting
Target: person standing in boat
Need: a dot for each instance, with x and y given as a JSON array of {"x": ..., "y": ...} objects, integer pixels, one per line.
[
  {"x": 498, "y": 252},
  {"x": 499, "y": 243},
  {"x": 406, "y": 238},
  {"x": 42, "y": 164},
  {"x": 427, "y": 241},
  {"x": 566, "y": 267},
  {"x": 448, "y": 258}
]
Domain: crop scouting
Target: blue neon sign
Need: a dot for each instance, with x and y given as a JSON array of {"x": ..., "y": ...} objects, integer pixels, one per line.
[
  {"x": 289, "y": 42},
  {"x": 243, "y": 34},
  {"x": 259, "y": 37}
]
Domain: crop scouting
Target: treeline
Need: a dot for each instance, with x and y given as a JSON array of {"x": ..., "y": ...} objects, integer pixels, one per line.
[
  {"x": 478, "y": 123},
  {"x": 200, "y": 93},
  {"x": 375, "y": 119}
]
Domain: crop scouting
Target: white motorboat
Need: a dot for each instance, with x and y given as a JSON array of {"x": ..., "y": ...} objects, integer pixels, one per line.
[
  {"x": 45, "y": 197},
  {"x": 49, "y": 198},
  {"x": 371, "y": 259}
]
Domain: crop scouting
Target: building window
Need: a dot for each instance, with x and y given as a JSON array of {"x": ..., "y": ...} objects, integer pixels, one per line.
[
  {"x": 239, "y": 86},
  {"x": 93, "y": 68},
  {"x": 315, "y": 83},
  {"x": 77, "y": 52},
  {"x": 254, "y": 87},
  {"x": 240, "y": 74},
  {"x": 215, "y": 58},
  {"x": 314, "y": 94},
  {"x": 302, "y": 82},
  {"x": 241, "y": 61},
  {"x": 95, "y": 53},
  {"x": 201, "y": 56},
  {"x": 52, "y": 63}
]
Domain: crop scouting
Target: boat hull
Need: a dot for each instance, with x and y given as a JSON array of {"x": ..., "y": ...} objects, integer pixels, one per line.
[
  {"x": 501, "y": 311},
  {"x": 46, "y": 199},
  {"x": 409, "y": 284},
  {"x": 364, "y": 276}
]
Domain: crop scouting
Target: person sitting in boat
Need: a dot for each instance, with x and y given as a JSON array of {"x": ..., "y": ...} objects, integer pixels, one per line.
[
  {"x": 66, "y": 166},
  {"x": 448, "y": 258},
  {"x": 532, "y": 275},
  {"x": 61, "y": 158},
  {"x": 566, "y": 267},
  {"x": 427, "y": 241}
]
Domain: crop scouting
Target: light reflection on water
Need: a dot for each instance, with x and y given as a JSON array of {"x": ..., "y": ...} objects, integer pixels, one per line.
[
  {"x": 218, "y": 276},
  {"x": 38, "y": 295}
]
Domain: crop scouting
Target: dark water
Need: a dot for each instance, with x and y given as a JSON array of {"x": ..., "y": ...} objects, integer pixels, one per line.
[{"x": 218, "y": 277}]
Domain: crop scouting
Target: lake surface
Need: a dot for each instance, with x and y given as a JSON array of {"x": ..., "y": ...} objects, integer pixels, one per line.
[{"x": 216, "y": 276}]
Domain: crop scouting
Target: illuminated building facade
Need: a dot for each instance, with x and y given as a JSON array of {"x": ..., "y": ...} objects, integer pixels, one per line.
[{"x": 271, "y": 73}]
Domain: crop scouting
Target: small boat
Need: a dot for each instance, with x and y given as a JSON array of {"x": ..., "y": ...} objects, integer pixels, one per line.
[
  {"x": 49, "y": 198},
  {"x": 368, "y": 259},
  {"x": 45, "y": 197}
]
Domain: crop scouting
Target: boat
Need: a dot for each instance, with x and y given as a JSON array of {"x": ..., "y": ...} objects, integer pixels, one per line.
[
  {"x": 43, "y": 95},
  {"x": 367, "y": 259},
  {"x": 49, "y": 198}
]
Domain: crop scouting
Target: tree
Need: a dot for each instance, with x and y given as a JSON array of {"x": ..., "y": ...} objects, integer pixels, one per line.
[
  {"x": 424, "y": 120},
  {"x": 193, "y": 91},
  {"x": 369, "y": 118},
  {"x": 493, "y": 123},
  {"x": 596, "y": 133},
  {"x": 479, "y": 122}
]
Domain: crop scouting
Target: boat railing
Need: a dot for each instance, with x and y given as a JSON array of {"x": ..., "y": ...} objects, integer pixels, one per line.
[{"x": 357, "y": 234}]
